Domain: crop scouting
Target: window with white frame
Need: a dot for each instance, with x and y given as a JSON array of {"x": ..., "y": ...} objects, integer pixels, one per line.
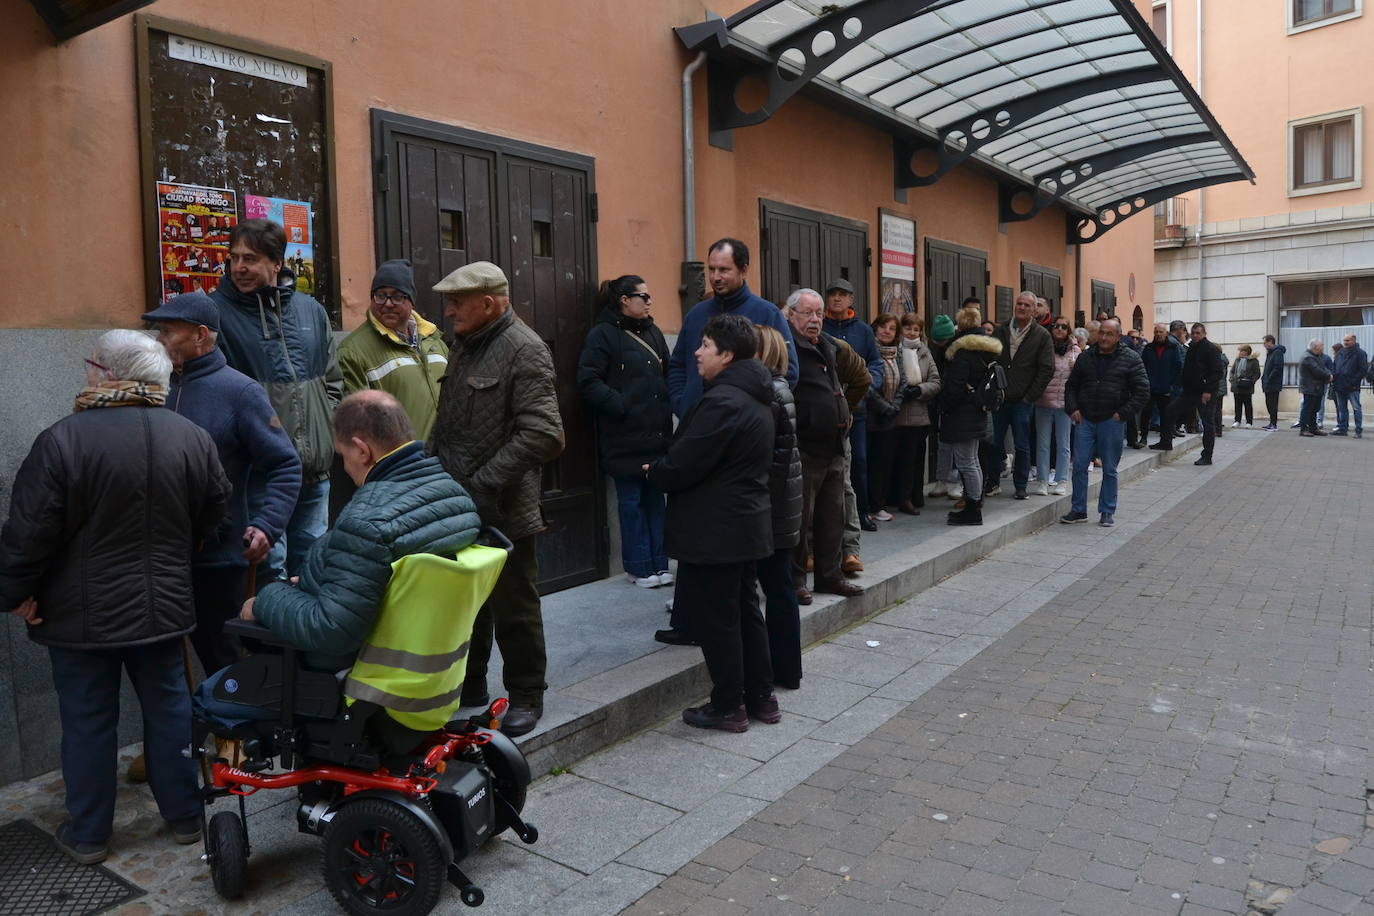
[
  {"x": 1159, "y": 22},
  {"x": 1325, "y": 153},
  {"x": 1310, "y": 14}
]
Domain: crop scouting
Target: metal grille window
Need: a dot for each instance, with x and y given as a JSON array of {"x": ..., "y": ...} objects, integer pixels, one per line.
[
  {"x": 1305, "y": 11},
  {"x": 1325, "y": 153}
]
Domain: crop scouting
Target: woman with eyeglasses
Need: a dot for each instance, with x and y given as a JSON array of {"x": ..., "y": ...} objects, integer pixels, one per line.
[
  {"x": 623, "y": 376},
  {"x": 1050, "y": 416}
]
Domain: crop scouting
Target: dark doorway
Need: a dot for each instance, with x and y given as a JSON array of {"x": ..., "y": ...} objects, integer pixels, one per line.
[
  {"x": 803, "y": 248},
  {"x": 953, "y": 273},
  {"x": 1104, "y": 298},
  {"x": 1045, "y": 282},
  {"x": 447, "y": 197}
]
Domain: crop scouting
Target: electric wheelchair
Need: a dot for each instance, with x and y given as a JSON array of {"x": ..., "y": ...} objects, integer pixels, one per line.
[{"x": 398, "y": 808}]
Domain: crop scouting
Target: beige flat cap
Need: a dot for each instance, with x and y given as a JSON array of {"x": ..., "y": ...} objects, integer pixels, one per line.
[{"x": 477, "y": 277}]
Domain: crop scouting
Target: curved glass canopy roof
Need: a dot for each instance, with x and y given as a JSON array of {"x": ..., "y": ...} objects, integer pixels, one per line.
[{"x": 1070, "y": 102}]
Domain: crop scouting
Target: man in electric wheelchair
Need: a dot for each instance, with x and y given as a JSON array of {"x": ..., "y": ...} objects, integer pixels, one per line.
[{"x": 353, "y": 676}]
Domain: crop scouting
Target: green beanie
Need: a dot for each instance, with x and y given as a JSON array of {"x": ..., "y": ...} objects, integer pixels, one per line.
[{"x": 942, "y": 329}]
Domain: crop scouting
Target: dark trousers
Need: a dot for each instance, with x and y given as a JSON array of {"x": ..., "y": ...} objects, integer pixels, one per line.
[
  {"x": 1271, "y": 404},
  {"x": 783, "y": 616},
  {"x": 721, "y": 603},
  {"x": 858, "y": 463},
  {"x": 219, "y": 595},
  {"x": 512, "y": 615},
  {"x": 1190, "y": 404},
  {"x": 1218, "y": 408},
  {"x": 882, "y": 465},
  {"x": 87, "y": 682},
  {"x": 1307, "y": 418},
  {"x": 1245, "y": 405},
  {"x": 909, "y": 477},
  {"x": 822, "y": 521},
  {"x": 1156, "y": 401},
  {"x": 933, "y": 437}
]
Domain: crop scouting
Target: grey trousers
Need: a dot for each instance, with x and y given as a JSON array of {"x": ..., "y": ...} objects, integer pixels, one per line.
[{"x": 965, "y": 456}]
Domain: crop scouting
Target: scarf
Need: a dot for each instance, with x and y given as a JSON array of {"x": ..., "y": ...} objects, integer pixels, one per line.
[
  {"x": 890, "y": 371},
  {"x": 1018, "y": 336},
  {"x": 120, "y": 393},
  {"x": 1061, "y": 347},
  {"x": 911, "y": 361}
]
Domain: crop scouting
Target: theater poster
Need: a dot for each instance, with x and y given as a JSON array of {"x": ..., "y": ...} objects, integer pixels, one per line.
[
  {"x": 897, "y": 265},
  {"x": 294, "y": 217},
  {"x": 194, "y": 223}
]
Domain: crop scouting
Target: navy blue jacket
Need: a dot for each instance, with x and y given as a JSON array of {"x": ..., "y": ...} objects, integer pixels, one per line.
[
  {"x": 234, "y": 410},
  {"x": 1351, "y": 365},
  {"x": 859, "y": 335},
  {"x": 1164, "y": 369},
  {"x": 1271, "y": 379},
  {"x": 684, "y": 384},
  {"x": 408, "y": 504}
]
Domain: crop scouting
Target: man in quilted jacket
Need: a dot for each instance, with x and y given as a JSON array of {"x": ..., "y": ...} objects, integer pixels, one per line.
[{"x": 497, "y": 425}]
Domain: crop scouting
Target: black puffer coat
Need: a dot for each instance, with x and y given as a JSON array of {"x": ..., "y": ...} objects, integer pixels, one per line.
[
  {"x": 1203, "y": 369},
  {"x": 1100, "y": 385},
  {"x": 785, "y": 473},
  {"x": 623, "y": 377},
  {"x": 106, "y": 513},
  {"x": 966, "y": 364},
  {"x": 716, "y": 471}
]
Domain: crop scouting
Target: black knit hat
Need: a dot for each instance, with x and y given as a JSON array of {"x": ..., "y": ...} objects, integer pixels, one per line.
[{"x": 397, "y": 275}]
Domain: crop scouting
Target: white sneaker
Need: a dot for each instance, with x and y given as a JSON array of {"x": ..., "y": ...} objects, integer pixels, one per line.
[
  {"x": 1042, "y": 488},
  {"x": 956, "y": 491},
  {"x": 1235, "y": 425},
  {"x": 645, "y": 582},
  {"x": 1249, "y": 426},
  {"x": 665, "y": 577},
  {"x": 882, "y": 515},
  {"x": 1058, "y": 488},
  {"x": 939, "y": 489}
]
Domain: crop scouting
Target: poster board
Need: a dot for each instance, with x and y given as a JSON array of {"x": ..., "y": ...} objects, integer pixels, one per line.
[
  {"x": 252, "y": 120},
  {"x": 896, "y": 263}
]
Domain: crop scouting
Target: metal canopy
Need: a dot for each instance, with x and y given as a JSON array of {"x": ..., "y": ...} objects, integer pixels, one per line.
[{"x": 1072, "y": 103}]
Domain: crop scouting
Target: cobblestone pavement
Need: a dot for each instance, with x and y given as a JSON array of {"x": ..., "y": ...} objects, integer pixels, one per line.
[{"x": 1185, "y": 729}]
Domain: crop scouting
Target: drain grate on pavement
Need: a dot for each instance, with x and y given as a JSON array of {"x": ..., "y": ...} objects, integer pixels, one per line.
[{"x": 38, "y": 879}]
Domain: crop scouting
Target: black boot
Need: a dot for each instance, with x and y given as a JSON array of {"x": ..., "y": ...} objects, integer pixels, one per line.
[{"x": 971, "y": 514}]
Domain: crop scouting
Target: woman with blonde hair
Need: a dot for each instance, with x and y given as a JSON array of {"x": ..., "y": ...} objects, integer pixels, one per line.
[
  {"x": 781, "y": 612},
  {"x": 965, "y": 420}
]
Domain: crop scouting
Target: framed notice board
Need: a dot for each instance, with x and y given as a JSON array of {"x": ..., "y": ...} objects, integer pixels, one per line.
[{"x": 226, "y": 122}]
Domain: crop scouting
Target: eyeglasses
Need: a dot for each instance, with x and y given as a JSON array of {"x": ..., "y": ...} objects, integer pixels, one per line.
[
  {"x": 384, "y": 298},
  {"x": 807, "y": 313},
  {"x": 645, "y": 296},
  {"x": 1061, "y": 327},
  {"x": 95, "y": 365}
]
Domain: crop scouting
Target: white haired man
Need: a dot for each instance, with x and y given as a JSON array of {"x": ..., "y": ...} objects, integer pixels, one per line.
[{"x": 96, "y": 558}]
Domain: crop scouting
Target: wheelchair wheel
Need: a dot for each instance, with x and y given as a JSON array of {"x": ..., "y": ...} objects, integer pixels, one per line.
[
  {"x": 380, "y": 858},
  {"x": 227, "y": 852}
]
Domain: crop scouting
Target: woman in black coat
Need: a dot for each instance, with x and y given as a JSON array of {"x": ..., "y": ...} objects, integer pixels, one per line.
[
  {"x": 782, "y": 614},
  {"x": 964, "y": 422},
  {"x": 622, "y": 374}
]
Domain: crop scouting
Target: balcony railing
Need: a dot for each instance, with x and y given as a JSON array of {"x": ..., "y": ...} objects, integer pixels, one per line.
[{"x": 1171, "y": 220}]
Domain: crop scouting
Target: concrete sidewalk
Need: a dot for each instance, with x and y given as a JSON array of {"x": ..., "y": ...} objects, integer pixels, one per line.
[{"x": 603, "y": 846}]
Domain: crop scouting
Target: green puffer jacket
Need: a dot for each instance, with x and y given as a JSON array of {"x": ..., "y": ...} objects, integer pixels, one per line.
[
  {"x": 408, "y": 504},
  {"x": 498, "y": 422},
  {"x": 374, "y": 356}
]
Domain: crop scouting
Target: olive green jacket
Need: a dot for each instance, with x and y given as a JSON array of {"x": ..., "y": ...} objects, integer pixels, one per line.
[{"x": 374, "y": 356}]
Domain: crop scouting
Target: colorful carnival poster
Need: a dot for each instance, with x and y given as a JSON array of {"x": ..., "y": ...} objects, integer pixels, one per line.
[
  {"x": 194, "y": 223},
  {"x": 294, "y": 217},
  {"x": 897, "y": 268}
]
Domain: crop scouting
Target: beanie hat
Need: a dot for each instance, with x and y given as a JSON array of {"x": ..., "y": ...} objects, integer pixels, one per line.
[
  {"x": 397, "y": 275},
  {"x": 942, "y": 329}
]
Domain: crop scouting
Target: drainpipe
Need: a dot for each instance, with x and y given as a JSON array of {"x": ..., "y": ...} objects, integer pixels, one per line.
[
  {"x": 693, "y": 277},
  {"x": 1197, "y": 233}
]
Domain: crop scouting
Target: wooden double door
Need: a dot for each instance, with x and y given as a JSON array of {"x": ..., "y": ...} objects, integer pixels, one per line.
[
  {"x": 953, "y": 273},
  {"x": 802, "y": 248},
  {"x": 1045, "y": 282},
  {"x": 446, "y": 197}
]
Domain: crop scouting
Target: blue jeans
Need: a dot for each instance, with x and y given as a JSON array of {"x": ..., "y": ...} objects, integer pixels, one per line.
[
  {"x": 1047, "y": 420},
  {"x": 1105, "y": 439},
  {"x": 307, "y": 525},
  {"x": 1321, "y": 408},
  {"x": 1017, "y": 415},
  {"x": 1344, "y": 401},
  {"x": 641, "y": 507},
  {"x": 87, "y": 682}
]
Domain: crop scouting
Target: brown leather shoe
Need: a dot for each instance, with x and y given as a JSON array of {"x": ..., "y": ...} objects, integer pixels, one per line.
[
  {"x": 908, "y": 507},
  {"x": 810, "y": 564},
  {"x": 803, "y": 595},
  {"x": 840, "y": 587},
  {"x": 852, "y": 564},
  {"x": 520, "y": 720}
]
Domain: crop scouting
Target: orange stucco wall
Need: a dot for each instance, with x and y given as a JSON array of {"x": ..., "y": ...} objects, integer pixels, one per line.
[{"x": 601, "y": 78}]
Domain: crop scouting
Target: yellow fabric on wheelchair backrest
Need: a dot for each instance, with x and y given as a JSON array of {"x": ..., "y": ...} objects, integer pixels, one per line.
[{"x": 414, "y": 660}]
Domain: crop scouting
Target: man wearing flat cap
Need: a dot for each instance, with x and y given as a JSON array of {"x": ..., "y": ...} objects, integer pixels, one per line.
[
  {"x": 397, "y": 350},
  {"x": 497, "y": 425},
  {"x": 249, "y": 437}
]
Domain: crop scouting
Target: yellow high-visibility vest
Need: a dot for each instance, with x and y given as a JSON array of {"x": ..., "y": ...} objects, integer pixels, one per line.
[{"x": 414, "y": 660}]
